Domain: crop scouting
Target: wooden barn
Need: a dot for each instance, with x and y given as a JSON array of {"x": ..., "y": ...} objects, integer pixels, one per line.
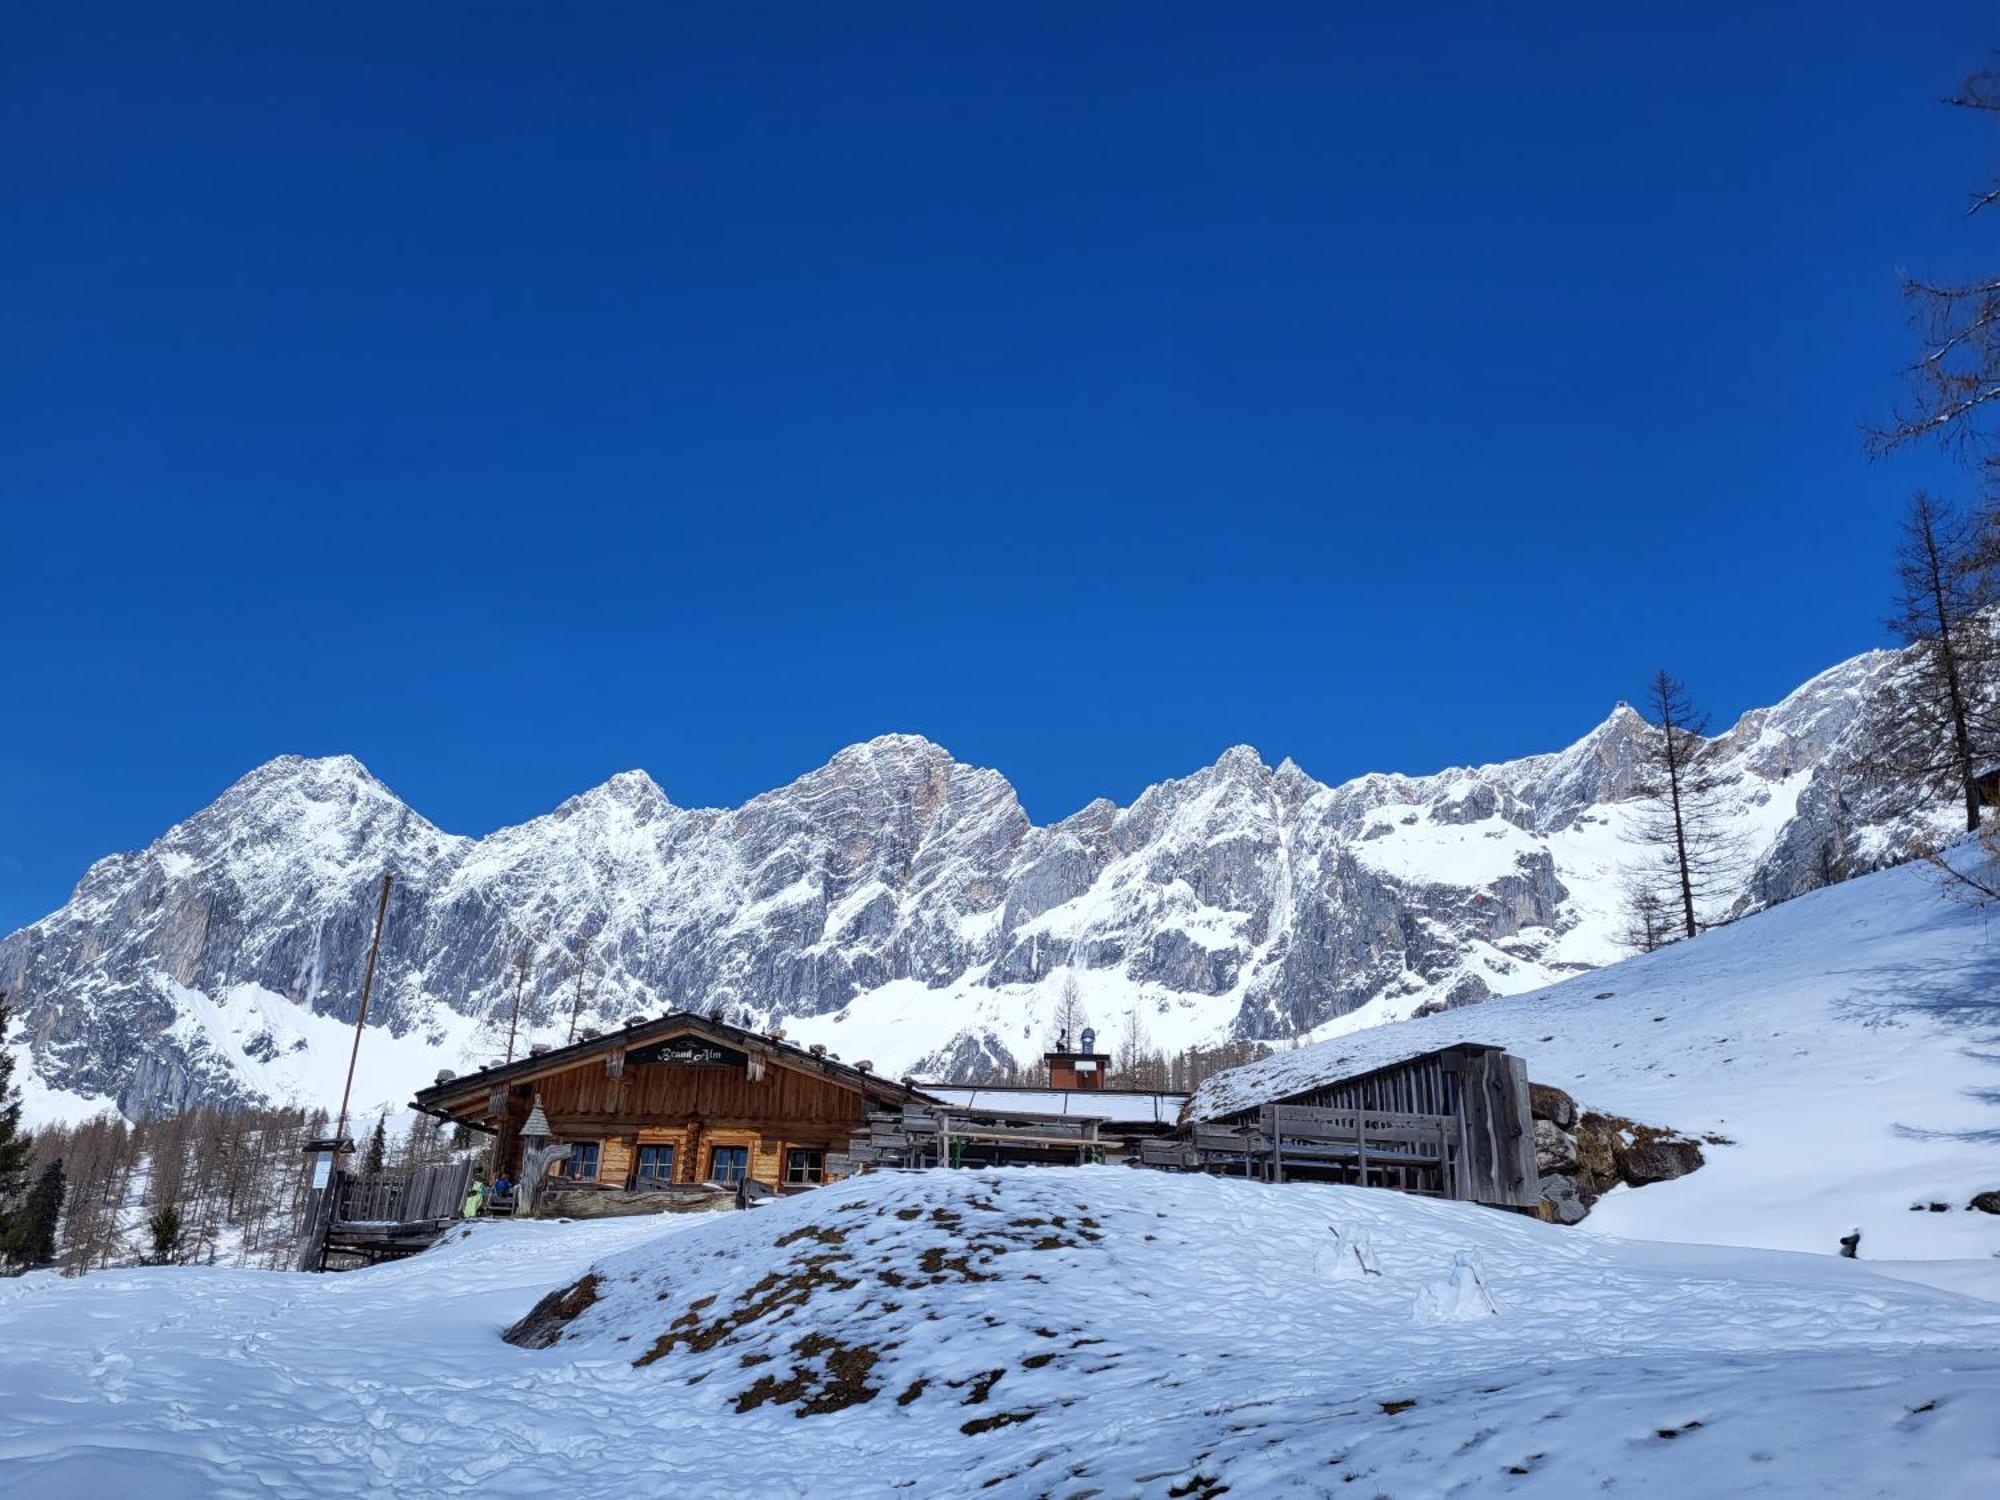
[
  {"x": 1451, "y": 1122},
  {"x": 675, "y": 1101}
]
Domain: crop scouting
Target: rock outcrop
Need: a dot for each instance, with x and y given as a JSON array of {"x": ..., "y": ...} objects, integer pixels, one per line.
[{"x": 1581, "y": 1160}]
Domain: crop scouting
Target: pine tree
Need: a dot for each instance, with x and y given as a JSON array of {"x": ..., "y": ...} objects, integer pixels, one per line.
[
  {"x": 31, "y": 1231},
  {"x": 15, "y": 1144},
  {"x": 378, "y": 1147},
  {"x": 165, "y": 1229},
  {"x": 1693, "y": 856}
]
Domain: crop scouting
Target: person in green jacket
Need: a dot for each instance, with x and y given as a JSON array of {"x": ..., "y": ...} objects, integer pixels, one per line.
[{"x": 475, "y": 1197}]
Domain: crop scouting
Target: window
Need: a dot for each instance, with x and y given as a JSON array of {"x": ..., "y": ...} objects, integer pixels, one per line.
[
  {"x": 803, "y": 1166},
  {"x": 582, "y": 1163},
  {"x": 728, "y": 1164},
  {"x": 656, "y": 1163}
]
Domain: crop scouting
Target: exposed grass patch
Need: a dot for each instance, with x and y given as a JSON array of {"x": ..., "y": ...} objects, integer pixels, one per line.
[
  {"x": 982, "y": 1386},
  {"x": 1000, "y": 1419},
  {"x": 772, "y": 1294},
  {"x": 829, "y": 1376},
  {"x": 825, "y": 1235}
]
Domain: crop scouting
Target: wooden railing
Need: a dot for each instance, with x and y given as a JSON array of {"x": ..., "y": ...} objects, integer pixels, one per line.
[
  {"x": 924, "y": 1136},
  {"x": 402, "y": 1197},
  {"x": 1417, "y": 1151}
]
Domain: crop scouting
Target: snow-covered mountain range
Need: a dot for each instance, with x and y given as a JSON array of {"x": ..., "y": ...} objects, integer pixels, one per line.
[{"x": 895, "y": 904}]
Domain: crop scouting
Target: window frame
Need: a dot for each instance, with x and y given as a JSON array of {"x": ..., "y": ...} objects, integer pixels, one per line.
[
  {"x": 815, "y": 1167},
  {"x": 742, "y": 1165},
  {"x": 596, "y": 1158},
  {"x": 673, "y": 1152}
]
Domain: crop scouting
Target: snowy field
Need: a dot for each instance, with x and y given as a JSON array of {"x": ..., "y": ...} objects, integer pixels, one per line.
[
  {"x": 1067, "y": 1333},
  {"x": 1108, "y": 1332},
  {"x": 1847, "y": 1044}
]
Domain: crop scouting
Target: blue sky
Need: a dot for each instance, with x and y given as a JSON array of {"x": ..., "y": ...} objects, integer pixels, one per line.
[{"x": 510, "y": 396}]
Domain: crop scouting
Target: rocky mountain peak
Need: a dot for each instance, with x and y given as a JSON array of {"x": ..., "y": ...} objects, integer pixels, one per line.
[
  {"x": 632, "y": 795},
  {"x": 893, "y": 902},
  {"x": 1243, "y": 760}
]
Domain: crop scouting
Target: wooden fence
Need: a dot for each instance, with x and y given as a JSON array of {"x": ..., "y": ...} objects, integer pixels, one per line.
[
  {"x": 365, "y": 1217},
  {"x": 427, "y": 1193}
]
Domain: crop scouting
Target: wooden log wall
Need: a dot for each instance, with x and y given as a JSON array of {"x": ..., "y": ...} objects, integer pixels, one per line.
[{"x": 694, "y": 1110}]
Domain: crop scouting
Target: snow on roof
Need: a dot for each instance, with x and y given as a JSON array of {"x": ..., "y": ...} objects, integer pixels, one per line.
[
  {"x": 1314, "y": 1067},
  {"x": 1118, "y": 1106}
]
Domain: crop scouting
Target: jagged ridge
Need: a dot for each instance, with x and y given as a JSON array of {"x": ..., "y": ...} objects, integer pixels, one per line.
[{"x": 896, "y": 903}]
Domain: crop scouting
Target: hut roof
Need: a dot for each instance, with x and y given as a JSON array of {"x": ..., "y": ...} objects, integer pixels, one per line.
[
  {"x": 456, "y": 1096},
  {"x": 1119, "y": 1106},
  {"x": 1289, "y": 1074}
]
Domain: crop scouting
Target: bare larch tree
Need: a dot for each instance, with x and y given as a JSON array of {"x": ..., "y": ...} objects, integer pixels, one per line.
[
  {"x": 1955, "y": 381},
  {"x": 1069, "y": 1019},
  {"x": 1934, "y": 720},
  {"x": 1693, "y": 854}
]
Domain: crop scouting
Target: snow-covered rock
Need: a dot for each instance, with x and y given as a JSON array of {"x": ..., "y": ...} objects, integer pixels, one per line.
[{"x": 894, "y": 904}]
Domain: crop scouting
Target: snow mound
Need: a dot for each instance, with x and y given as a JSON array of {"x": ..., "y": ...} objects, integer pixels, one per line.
[{"x": 1106, "y": 1330}]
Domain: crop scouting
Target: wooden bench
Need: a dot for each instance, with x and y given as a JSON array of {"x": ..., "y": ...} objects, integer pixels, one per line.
[
  {"x": 1217, "y": 1146},
  {"x": 1419, "y": 1150}
]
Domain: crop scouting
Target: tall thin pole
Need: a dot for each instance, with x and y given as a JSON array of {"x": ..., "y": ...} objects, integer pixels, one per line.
[{"x": 367, "y": 987}]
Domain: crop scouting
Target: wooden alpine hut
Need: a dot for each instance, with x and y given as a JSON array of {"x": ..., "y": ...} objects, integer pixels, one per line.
[
  {"x": 676, "y": 1101},
  {"x": 1451, "y": 1121}
]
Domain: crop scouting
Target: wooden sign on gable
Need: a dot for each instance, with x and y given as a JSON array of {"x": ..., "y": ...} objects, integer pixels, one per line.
[{"x": 686, "y": 1052}]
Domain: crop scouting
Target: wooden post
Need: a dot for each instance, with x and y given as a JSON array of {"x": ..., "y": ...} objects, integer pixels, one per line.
[
  {"x": 1361, "y": 1145},
  {"x": 319, "y": 1213},
  {"x": 367, "y": 988}
]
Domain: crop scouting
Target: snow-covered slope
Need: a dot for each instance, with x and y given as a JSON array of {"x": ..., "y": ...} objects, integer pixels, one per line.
[
  {"x": 1057, "y": 1332},
  {"x": 894, "y": 904},
  {"x": 1846, "y": 1043}
]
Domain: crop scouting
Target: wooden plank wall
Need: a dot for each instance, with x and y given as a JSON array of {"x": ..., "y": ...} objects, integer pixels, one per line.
[
  {"x": 694, "y": 1110},
  {"x": 1486, "y": 1091},
  {"x": 584, "y": 1095},
  {"x": 1423, "y": 1087}
]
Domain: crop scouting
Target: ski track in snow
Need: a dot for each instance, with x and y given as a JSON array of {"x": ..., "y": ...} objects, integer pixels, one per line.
[{"x": 1192, "y": 1338}]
